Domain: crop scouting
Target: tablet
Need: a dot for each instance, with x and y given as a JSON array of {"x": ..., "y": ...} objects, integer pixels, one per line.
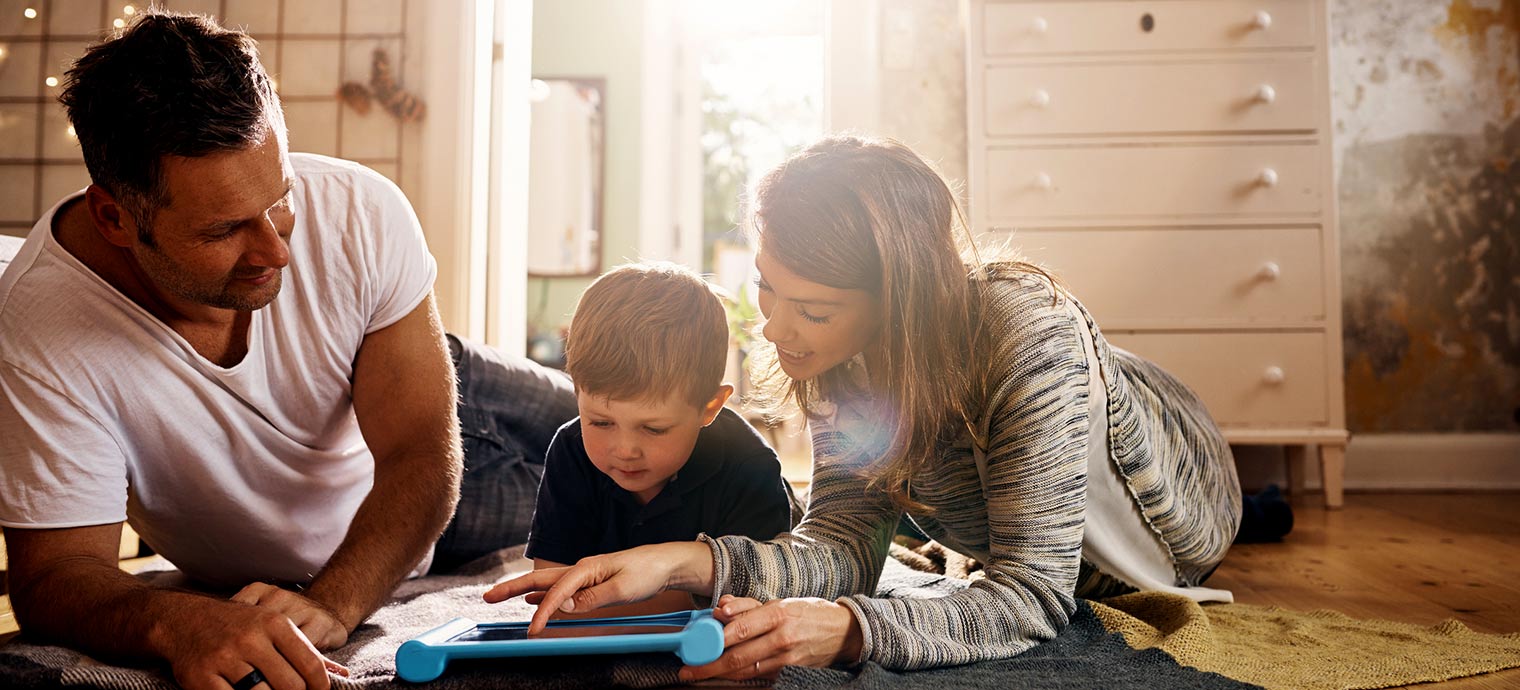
[{"x": 694, "y": 636}]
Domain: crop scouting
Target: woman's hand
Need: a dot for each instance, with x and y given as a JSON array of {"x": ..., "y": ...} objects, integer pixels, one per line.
[
  {"x": 615, "y": 578},
  {"x": 758, "y": 639}
]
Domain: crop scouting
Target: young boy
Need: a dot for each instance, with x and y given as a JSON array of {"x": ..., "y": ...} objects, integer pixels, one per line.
[{"x": 654, "y": 456}]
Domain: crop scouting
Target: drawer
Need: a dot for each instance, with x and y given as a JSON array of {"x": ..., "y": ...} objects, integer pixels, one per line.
[
  {"x": 1175, "y": 25},
  {"x": 1152, "y": 97},
  {"x": 1245, "y": 379},
  {"x": 1167, "y": 181},
  {"x": 1167, "y": 278}
]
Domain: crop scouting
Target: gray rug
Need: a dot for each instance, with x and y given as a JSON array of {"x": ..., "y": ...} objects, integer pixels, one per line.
[{"x": 1085, "y": 656}]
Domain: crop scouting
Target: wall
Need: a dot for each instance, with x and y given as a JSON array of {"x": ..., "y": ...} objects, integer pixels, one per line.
[
  {"x": 1427, "y": 139},
  {"x": 923, "y": 81},
  {"x": 595, "y": 38},
  {"x": 308, "y": 47}
]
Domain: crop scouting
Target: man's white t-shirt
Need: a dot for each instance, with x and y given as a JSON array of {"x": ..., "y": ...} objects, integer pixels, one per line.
[{"x": 240, "y": 474}]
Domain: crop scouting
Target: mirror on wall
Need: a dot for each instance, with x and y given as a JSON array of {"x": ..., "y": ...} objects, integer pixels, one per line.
[{"x": 566, "y": 157}]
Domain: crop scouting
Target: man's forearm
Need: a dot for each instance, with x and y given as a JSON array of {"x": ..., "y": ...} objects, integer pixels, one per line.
[
  {"x": 405, "y": 397},
  {"x": 98, "y": 609},
  {"x": 411, "y": 502}
]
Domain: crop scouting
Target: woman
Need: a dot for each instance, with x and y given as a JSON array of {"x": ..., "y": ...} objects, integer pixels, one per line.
[{"x": 979, "y": 398}]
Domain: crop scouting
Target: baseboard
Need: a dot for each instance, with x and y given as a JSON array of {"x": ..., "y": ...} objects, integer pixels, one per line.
[
  {"x": 1405, "y": 462},
  {"x": 1433, "y": 461}
]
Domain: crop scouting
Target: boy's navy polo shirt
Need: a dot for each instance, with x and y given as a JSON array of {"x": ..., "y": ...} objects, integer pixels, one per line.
[{"x": 731, "y": 484}]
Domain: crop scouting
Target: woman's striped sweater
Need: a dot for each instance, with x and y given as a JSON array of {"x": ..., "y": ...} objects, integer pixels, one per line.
[{"x": 1025, "y": 522}]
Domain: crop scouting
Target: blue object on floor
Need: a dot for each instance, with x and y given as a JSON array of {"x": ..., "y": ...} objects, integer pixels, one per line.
[
  {"x": 1264, "y": 517},
  {"x": 694, "y": 636}
]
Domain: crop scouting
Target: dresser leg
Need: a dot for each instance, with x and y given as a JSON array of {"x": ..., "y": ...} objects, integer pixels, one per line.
[
  {"x": 1332, "y": 471},
  {"x": 1297, "y": 468}
]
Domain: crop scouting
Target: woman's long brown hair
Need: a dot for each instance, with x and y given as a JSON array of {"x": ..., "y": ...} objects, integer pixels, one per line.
[{"x": 866, "y": 214}]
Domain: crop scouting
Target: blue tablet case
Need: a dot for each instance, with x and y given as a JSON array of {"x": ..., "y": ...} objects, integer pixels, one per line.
[{"x": 694, "y": 636}]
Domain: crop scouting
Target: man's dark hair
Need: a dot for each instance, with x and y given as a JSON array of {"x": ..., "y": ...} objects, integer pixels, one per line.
[{"x": 169, "y": 85}]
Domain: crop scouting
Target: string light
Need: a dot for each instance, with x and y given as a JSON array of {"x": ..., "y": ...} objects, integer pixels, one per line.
[
  {"x": 51, "y": 81},
  {"x": 119, "y": 23},
  {"x": 128, "y": 10},
  {"x": 29, "y": 13},
  {"x": 2, "y": 52},
  {"x": 72, "y": 135}
]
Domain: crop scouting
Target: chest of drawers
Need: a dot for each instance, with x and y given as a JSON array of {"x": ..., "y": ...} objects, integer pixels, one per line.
[{"x": 1170, "y": 160}]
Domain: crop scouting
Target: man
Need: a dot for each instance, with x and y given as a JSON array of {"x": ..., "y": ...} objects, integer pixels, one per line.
[{"x": 236, "y": 350}]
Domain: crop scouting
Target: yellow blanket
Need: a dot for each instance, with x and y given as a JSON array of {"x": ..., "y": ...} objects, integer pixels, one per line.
[{"x": 1311, "y": 650}]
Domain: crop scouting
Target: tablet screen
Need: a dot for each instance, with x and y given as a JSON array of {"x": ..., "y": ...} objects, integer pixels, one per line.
[{"x": 496, "y": 634}]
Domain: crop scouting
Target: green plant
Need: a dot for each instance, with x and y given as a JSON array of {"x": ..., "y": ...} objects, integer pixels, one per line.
[{"x": 743, "y": 314}]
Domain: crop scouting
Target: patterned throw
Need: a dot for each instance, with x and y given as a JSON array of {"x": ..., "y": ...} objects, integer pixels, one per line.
[{"x": 1136, "y": 641}]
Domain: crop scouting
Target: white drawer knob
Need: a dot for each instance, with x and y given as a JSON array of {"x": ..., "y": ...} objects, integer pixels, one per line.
[
  {"x": 1269, "y": 271},
  {"x": 1267, "y": 177},
  {"x": 1261, "y": 21},
  {"x": 1043, "y": 181},
  {"x": 1038, "y": 25},
  {"x": 1265, "y": 93},
  {"x": 1040, "y": 99},
  {"x": 1274, "y": 375}
]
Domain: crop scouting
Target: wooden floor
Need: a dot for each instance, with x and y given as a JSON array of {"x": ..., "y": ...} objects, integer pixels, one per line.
[{"x": 1417, "y": 558}]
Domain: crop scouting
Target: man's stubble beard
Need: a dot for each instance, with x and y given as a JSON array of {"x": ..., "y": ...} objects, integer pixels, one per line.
[{"x": 168, "y": 276}]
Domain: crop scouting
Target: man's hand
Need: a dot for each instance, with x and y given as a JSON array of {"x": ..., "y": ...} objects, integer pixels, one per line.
[
  {"x": 214, "y": 644},
  {"x": 316, "y": 621},
  {"x": 67, "y": 589}
]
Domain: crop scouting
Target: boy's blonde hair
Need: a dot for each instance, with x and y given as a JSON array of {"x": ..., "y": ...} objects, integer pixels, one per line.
[{"x": 647, "y": 331}]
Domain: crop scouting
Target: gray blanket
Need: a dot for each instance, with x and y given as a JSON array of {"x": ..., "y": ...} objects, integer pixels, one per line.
[
  {"x": 1085, "y": 656},
  {"x": 418, "y": 606}
]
